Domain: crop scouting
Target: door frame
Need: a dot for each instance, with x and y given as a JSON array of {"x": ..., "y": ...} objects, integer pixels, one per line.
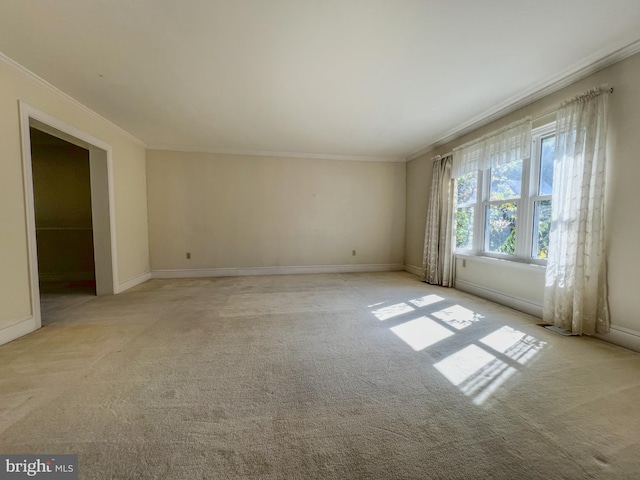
[{"x": 102, "y": 202}]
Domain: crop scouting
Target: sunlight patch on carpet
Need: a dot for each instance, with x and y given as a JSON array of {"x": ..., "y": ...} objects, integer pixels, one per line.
[
  {"x": 494, "y": 376},
  {"x": 461, "y": 365},
  {"x": 457, "y": 316},
  {"x": 476, "y": 372},
  {"x": 376, "y": 304},
  {"x": 421, "y": 333},
  {"x": 514, "y": 344},
  {"x": 391, "y": 311},
  {"x": 426, "y": 300}
]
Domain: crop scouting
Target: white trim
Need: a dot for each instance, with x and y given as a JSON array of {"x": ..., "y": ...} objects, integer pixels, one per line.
[
  {"x": 58, "y": 124},
  {"x": 133, "y": 281},
  {"x": 10, "y": 324},
  {"x": 430, "y": 148},
  {"x": 17, "y": 329},
  {"x": 32, "y": 76},
  {"x": 290, "y": 270},
  {"x": 267, "y": 153},
  {"x": 28, "y": 112},
  {"x": 30, "y": 216},
  {"x": 592, "y": 64},
  {"x": 112, "y": 218},
  {"x": 501, "y": 262},
  {"x": 621, "y": 336},
  {"x": 413, "y": 269},
  {"x": 511, "y": 301}
]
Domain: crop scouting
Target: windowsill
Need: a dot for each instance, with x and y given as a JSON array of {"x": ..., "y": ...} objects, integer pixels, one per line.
[{"x": 502, "y": 262}]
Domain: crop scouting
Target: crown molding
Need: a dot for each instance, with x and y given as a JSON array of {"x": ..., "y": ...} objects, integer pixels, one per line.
[
  {"x": 590, "y": 65},
  {"x": 268, "y": 153},
  {"x": 42, "y": 82}
]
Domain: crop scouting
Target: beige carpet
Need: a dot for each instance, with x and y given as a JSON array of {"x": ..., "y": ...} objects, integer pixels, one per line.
[{"x": 316, "y": 376}]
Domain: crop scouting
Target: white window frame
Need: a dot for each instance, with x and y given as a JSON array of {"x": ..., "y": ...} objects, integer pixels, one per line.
[
  {"x": 476, "y": 212},
  {"x": 538, "y": 135},
  {"x": 525, "y": 206}
]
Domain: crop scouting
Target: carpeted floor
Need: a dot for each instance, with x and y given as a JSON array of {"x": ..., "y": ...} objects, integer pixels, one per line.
[{"x": 316, "y": 376}]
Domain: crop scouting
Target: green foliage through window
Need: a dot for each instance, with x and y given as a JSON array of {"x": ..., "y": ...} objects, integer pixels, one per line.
[
  {"x": 506, "y": 209},
  {"x": 501, "y": 228},
  {"x": 542, "y": 221},
  {"x": 464, "y": 228},
  {"x": 467, "y": 186}
]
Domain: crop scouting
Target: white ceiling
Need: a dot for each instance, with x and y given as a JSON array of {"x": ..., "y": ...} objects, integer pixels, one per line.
[{"x": 370, "y": 78}]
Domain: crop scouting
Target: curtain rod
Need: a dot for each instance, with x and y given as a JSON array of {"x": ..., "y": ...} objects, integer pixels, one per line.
[
  {"x": 533, "y": 119},
  {"x": 554, "y": 110}
]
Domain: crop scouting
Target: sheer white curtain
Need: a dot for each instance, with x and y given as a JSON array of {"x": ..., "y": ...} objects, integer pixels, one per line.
[
  {"x": 437, "y": 265},
  {"x": 576, "y": 284},
  {"x": 505, "y": 145}
]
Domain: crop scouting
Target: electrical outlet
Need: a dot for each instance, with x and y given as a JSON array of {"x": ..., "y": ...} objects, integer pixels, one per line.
[
  {"x": 353, "y": 253},
  {"x": 188, "y": 255}
]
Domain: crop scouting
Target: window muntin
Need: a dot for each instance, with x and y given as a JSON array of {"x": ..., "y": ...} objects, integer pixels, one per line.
[
  {"x": 466, "y": 212},
  {"x": 501, "y": 208},
  {"x": 540, "y": 200},
  {"x": 505, "y": 211}
]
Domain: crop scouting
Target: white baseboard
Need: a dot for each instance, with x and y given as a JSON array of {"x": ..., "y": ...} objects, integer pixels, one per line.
[
  {"x": 291, "y": 270},
  {"x": 511, "y": 301},
  {"x": 133, "y": 281},
  {"x": 621, "y": 336},
  {"x": 413, "y": 269},
  {"x": 17, "y": 329},
  {"x": 66, "y": 276}
]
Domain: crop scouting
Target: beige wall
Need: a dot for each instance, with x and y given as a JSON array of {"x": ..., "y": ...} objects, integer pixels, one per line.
[
  {"x": 623, "y": 172},
  {"x": 239, "y": 211},
  {"x": 129, "y": 187},
  {"x": 62, "y": 201},
  {"x": 419, "y": 175}
]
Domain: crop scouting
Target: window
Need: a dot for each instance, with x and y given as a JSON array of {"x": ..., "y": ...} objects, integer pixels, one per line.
[
  {"x": 505, "y": 211},
  {"x": 467, "y": 197}
]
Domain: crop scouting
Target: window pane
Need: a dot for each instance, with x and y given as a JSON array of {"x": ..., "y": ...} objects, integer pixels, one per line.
[
  {"x": 500, "y": 229},
  {"x": 541, "y": 226},
  {"x": 506, "y": 181},
  {"x": 467, "y": 188},
  {"x": 547, "y": 157},
  {"x": 464, "y": 228}
]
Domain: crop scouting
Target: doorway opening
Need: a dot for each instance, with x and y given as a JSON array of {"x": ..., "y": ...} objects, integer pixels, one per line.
[
  {"x": 64, "y": 230},
  {"x": 68, "y": 184}
]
